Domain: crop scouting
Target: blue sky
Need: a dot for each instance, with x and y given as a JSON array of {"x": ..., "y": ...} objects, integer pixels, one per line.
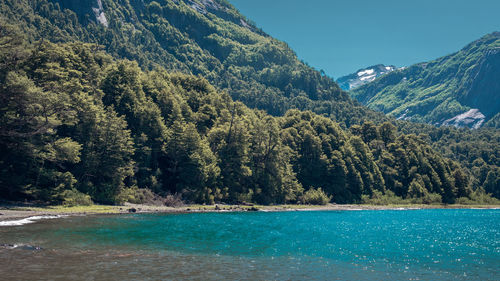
[{"x": 341, "y": 37}]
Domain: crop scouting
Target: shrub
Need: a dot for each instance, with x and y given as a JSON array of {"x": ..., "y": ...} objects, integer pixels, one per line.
[
  {"x": 137, "y": 195},
  {"x": 478, "y": 197},
  {"x": 432, "y": 198},
  {"x": 426, "y": 198},
  {"x": 315, "y": 197},
  {"x": 73, "y": 197},
  {"x": 173, "y": 200},
  {"x": 379, "y": 198},
  {"x": 390, "y": 198}
]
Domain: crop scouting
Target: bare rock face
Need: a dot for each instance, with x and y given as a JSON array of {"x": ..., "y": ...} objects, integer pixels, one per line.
[
  {"x": 99, "y": 14},
  {"x": 86, "y": 10},
  {"x": 483, "y": 91},
  {"x": 472, "y": 119},
  {"x": 216, "y": 8},
  {"x": 203, "y": 6}
]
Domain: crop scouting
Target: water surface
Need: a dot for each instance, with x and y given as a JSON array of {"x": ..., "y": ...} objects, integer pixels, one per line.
[{"x": 319, "y": 245}]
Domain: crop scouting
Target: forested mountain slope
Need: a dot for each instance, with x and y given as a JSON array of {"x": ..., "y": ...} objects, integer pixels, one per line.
[
  {"x": 77, "y": 123},
  {"x": 208, "y": 38},
  {"x": 462, "y": 89},
  {"x": 79, "y": 120}
]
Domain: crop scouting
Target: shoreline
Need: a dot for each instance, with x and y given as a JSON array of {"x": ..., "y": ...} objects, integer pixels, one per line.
[{"x": 15, "y": 213}]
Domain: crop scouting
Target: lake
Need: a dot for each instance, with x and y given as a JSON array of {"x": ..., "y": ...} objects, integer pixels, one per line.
[{"x": 307, "y": 245}]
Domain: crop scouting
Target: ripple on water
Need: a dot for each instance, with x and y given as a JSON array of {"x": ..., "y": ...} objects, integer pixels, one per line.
[{"x": 363, "y": 245}]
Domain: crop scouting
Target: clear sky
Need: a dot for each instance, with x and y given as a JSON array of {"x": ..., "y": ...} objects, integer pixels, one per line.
[{"x": 342, "y": 36}]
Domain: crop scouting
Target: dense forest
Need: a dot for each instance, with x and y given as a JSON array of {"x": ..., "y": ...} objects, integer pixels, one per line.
[
  {"x": 131, "y": 112},
  {"x": 208, "y": 38},
  {"x": 212, "y": 39},
  {"x": 77, "y": 122}
]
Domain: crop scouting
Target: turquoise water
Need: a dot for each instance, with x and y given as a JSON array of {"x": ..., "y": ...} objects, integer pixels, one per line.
[{"x": 329, "y": 245}]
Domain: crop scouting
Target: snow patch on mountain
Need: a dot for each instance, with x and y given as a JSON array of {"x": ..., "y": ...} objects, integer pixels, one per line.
[
  {"x": 368, "y": 78},
  {"x": 365, "y": 72},
  {"x": 364, "y": 76}
]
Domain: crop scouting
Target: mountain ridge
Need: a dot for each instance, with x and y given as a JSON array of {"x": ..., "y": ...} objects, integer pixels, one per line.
[
  {"x": 364, "y": 76},
  {"x": 444, "y": 91},
  {"x": 194, "y": 38},
  {"x": 184, "y": 133}
]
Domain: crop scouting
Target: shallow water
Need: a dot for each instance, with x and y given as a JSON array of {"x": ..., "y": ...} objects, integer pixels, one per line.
[{"x": 330, "y": 245}]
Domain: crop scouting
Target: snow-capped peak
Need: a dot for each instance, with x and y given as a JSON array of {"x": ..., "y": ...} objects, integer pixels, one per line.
[
  {"x": 366, "y": 72},
  {"x": 364, "y": 76}
]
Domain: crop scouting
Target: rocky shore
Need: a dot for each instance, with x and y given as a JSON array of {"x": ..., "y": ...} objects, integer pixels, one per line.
[{"x": 11, "y": 215}]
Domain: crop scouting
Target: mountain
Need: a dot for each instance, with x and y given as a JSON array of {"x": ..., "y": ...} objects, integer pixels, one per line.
[
  {"x": 78, "y": 125},
  {"x": 363, "y": 76},
  {"x": 114, "y": 99},
  {"x": 200, "y": 37},
  {"x": 461, "y": 89}
]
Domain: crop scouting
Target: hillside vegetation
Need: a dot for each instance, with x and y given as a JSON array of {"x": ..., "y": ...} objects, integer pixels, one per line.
[
  {"x": 462, "y": 89},
  {"x": 208, "y": 38},
  {"x": 120, "y": 100},
  {"x": 77, "y": 122}
]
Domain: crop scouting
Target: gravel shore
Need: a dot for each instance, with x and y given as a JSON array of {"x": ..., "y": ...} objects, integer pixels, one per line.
[{"x": 12, "y": 213}]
